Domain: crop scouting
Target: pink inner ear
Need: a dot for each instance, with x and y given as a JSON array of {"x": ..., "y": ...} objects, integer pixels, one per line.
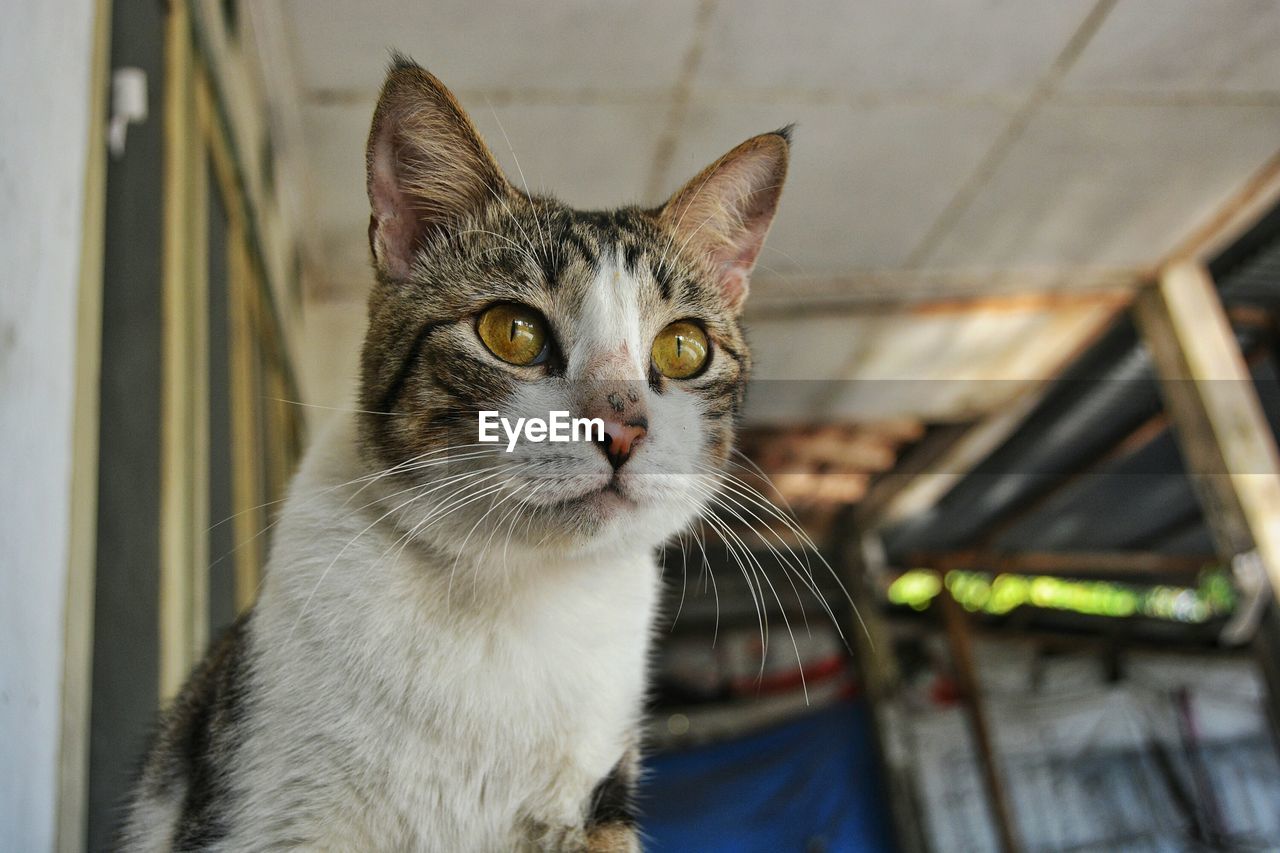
[
  {"x": 737, "y": 260},
  {"x": 733, "y": 283},
  {"x": 395, "y": 228},
  {"x": 726, "y": 211}
]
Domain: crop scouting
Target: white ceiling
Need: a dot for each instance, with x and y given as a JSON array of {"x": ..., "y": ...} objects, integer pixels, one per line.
[{"x": 943, "y": 148}]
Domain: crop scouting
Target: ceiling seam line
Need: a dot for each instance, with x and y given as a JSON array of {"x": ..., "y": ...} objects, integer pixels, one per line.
[
  {"x": 1012, "y": 132},
  {"x": 681, "y": 91}
]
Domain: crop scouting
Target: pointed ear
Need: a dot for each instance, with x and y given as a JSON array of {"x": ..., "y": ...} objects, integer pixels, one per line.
[
  {"x": 427, "y": 166},
  {"x": 724, "y": 213}
]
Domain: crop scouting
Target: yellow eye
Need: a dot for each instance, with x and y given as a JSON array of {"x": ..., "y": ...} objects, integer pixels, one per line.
[
  {"x": 680, "y": 350},
  {"x": 514, "y": 333}
]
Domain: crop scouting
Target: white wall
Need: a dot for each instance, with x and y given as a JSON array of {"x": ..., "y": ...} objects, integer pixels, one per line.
[
  {"x": 46, "y": 54},
  {"x": 329, "y": 355}
]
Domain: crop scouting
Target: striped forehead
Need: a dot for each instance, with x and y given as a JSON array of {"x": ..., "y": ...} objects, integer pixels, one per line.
[{"x": 607, "y": 327}]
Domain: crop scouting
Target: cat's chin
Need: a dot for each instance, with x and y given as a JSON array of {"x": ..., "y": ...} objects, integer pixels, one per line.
[
  {"x": 604, "y": 515},
  {"x": 600, "y": 505}
]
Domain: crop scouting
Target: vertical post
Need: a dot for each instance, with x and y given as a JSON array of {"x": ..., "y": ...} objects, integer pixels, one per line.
[
  {"x": 1224, "y": 436},
  {"x": 77, "y": 668},
  {"x": 245, "y": 403},
  {"x": 961, "y": 642},
  {"x": 175, "y": 638},
  {"x": 863, "y": 561}
]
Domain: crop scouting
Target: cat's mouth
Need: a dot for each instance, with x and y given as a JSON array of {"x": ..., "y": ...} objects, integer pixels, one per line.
[
  {"x": 602, "y": 501},
  {"x": 610, "y": 496}
]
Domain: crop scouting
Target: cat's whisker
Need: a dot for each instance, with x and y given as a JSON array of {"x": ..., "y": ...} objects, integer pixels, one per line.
[
  {"x": 418, "y": 464},
  {"x": 417, "y": 497},
  {"x": 266, "y": 504},
  {"x": 528, "y": 250},
  {"x": 811, "y": 546},
  {"x": 370, "y": 478},
  {"x": 761, "y": 606},
  {"x": 786, "y": 620},
  {"x": 515, "y": 515},
  {"x": 792, "y": 560},
  {"x": 783, "y": 560},
  {"x": 709, "y": 575},
  {"x": 741, "y": 487},
  {"x": 751, "y": 466},
  {"x": 335, "y": 408},
  {"x": 513, "y": 510},
  {"x": 456, "y": 499},
  {"x": 684, "y": 576},
  {"x": 492, "y": 506},
  {"x": 546, "y": 235}
]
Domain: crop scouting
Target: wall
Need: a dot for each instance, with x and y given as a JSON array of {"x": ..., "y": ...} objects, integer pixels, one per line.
[
  {"x": 328, "y": 366},
  {"x": 46, "y": 58}
]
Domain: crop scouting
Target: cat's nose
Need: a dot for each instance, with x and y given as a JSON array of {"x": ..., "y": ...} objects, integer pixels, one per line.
[{"x": 620, "y": 439}]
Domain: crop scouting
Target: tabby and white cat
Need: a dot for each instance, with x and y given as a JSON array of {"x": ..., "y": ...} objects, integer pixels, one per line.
[{"x": 449, "y": 649}]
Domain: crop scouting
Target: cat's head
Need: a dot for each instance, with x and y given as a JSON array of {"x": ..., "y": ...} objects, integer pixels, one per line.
[{"x": 489, "y": 298}]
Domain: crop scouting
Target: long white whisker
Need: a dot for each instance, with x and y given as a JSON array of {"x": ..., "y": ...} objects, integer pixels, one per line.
[
  {"x": 786, "y": 621},
  {"x": 546, "y": 235}
]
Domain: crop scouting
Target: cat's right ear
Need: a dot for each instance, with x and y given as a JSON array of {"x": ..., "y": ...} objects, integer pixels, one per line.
[{"x": 427, "y": 166}]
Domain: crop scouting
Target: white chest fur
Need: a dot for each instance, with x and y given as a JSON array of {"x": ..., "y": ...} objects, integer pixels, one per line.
[{"x": 400, "y": 710}]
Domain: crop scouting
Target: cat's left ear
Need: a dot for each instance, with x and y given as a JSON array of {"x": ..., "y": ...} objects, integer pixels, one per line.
[{"x": 725, "y": 212}]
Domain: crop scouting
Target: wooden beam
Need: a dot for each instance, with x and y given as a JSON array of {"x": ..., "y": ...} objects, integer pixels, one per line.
[
  {"x": 961, "y": 643},
  {"x": 863, "y": 562},
  {"x": 1225, "y": 438},
  {"x": 1224, "y": 435},
  {"x": 1064, "y": 565},
  {"x": 941, "y": 461}
]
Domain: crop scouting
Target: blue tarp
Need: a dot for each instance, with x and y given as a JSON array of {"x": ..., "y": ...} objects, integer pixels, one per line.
[{"x": 811, "y": 785}]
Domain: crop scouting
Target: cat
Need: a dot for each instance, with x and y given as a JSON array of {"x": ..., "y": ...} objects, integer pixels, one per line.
[{"x": 449, "y": 649}]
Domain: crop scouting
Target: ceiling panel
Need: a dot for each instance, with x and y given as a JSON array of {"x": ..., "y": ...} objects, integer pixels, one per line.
[
  {"x": 865, "y": 183},
  {"x": 1107, "y": 185},
  {"x": 564, "y": 44},
  {"x": 959, "y": 47},
  {"x": 935, "y": 365},
  {"x": 1183, "y": 46},
  {"x": 794, "y": 365}
]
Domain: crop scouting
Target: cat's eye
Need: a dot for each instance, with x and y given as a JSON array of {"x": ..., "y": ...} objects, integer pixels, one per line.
[
  {"x": 517, "y": 334},
  {"x": 680, "y": 350}
]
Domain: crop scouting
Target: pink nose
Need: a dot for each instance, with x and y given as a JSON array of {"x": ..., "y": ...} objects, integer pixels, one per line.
[{"x": 620, "y": 440}]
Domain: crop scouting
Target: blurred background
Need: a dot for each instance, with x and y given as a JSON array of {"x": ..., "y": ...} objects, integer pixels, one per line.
[{"x": 1016, "y": 395}]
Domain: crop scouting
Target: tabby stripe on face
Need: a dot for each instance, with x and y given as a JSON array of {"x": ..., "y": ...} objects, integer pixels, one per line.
[
  {"x": 573, "y": 239},
  {"x": 662, "y": 275},
  {"x": 631, "y": 257},
  {"x": 722, "y": 387},
  {"x": 732, "y": 353},
  {"x": 394, "y": 388}
]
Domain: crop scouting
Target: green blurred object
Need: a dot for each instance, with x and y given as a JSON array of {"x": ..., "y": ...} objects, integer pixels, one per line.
[{"x": 1212, "y": 597}]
